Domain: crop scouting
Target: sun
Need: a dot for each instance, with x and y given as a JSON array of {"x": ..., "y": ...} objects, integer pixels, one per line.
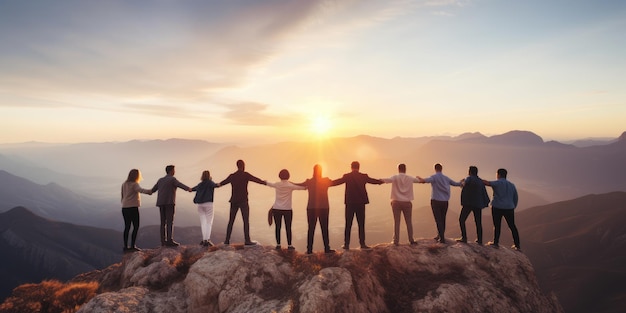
[{"x": 321, "y": 125}]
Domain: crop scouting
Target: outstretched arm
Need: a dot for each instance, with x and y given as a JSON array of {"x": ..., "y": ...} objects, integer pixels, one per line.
[
  {"x": 257, "y": 180},
  {"x": 338, "y": 181},
  {"x": 374, "y": 181}
]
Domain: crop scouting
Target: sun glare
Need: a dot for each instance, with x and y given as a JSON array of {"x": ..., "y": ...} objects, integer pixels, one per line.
[{"x": 321, "y": 125}]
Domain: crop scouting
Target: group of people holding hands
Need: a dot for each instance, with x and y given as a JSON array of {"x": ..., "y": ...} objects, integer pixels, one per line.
[{"x": 474, "y": 198}]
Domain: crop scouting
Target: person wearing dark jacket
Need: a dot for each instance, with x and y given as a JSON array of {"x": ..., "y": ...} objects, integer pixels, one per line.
[
  {"x": 318, "y": 207},
  {"x": 166, "y": 201},
  {"x": 355, "y": 199},
  {"x": 239, "y": 200},
  {"x": 474, "y": 198},
  {"x": 204, "y": 199}
]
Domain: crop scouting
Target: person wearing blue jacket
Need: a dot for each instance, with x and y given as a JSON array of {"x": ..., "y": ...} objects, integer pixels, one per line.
[
  {"x": 204, "y": 199},
  {"x": 503, "y": 205}
]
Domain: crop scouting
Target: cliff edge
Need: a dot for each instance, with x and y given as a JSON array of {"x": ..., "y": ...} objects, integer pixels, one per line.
[{"x": 427, "y": 277}]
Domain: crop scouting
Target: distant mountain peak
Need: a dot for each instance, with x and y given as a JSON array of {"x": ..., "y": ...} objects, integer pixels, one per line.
[
  {"x": 470, "y": 136},
  {"x": 622, "y": 137},
  {"x": 18, "y": 211},
  {"x": 517, "y": 137}
]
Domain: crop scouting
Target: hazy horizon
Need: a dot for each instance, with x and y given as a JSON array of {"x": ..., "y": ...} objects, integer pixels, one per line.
[{"x": 251, "y": 141}]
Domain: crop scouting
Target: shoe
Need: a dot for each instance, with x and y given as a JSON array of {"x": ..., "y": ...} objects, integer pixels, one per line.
[
  {"x": 345, "y": 247},
  {"x": 278, "y": 247},
  {"x": 309, "y": 252},
  {"x": 226, "y": 243},
  {"x": 442, "y": 240},
  {"x": 516, "y": 248},
  {"x": 290, "y": 247},
  {"x": 395, "y": 243},
  {"x": 172, "y": 244},
  {"x": 365, "y": 247},
  {"x": 478, "y": 242},
  {"x": 126, "y": 249},
  {"x": 436, "y": 238},
  {"x": 329, "y": 251},
  {"x": 413, "y": 243},
  {"x": 208, "y": 243},
  {"x": 494, "y": 244},
  {"x": 134, "y": 249},
  {"x": 463, "y": 240},
  {"x": 202, "y": 243},
  {"x": 251, "y": 243}
]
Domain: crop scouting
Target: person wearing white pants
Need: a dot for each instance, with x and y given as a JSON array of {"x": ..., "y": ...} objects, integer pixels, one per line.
[{"x": 204, "y": 199}]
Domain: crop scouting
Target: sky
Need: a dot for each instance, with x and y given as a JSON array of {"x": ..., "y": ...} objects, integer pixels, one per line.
[{"x": 276, "y": 70}]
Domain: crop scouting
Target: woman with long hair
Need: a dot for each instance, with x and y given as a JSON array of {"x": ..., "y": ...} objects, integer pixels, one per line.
[
  {"x": 318, "y": 207},
  {"x": 131, "y": 201}
]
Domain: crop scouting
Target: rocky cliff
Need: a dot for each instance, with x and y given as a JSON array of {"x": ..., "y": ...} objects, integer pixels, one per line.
[{"x": 427, "y": 277}]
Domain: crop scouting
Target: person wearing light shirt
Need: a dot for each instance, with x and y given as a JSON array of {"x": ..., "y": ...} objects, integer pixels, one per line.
[
  {"x": 503, "y": 205},
  {"x": 282, "y": 208},
  {"x": 401, "y": 197},
  {"x": 439, "y": 198}
]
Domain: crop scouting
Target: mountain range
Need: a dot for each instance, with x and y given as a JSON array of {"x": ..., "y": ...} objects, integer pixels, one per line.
[{"x": 36, "y": 248}]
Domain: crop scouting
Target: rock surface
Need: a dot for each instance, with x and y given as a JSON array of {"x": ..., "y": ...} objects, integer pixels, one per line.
[{"x": 427, "y": 277}]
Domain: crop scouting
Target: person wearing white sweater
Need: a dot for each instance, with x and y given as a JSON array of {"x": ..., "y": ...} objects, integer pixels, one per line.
[
  {"x": 401, "y": 197},
  {"x": 282, "y": 207}
]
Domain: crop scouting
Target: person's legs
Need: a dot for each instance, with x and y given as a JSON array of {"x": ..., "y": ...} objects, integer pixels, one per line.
[
  {"x": 245, "y": 214},
  {"x": 127, "y": 220},
  {"x": 478, "y": 219},
  {"x": 278, "y": 219},
  {"x": 465, "y": 211},
  {"x": 440, "y": 209},
  {"x": 169, "y": 216},
  {"x": 509, "y": 216},
  {"x": 162, "y": 210},
  {"x": 134, "y": 219},
  {"x": 209, "y": 220},
  {"x": 312, "y": 221},
  {"x": 288, "y": 219},
  {"x": 407, "y": 211},
  {"x": 323, "y": 217},
  {"x": 203, "y": 220},
  {"x": 348, "y": 227},
  {"x": 359, "y": 210},
  {"x": 231, "y": 220},
  {"x": 497, "y": 220},
  {"x": 396, "y": 209}
]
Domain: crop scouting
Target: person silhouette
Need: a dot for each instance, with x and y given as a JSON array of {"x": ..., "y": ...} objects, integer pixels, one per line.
[
  {"x": 282, "y": 207},
  {"x": 355, "y": 200},
  {"x": 131, "y": 201},
  {"x": 439, "y": 198},
  {"x": 318, "y": 207},
  {"x": 503, "y": 205},
  {"x": 166, "y": 201},
  {"x": 239, "y": 200},
  {"x": 401, "y": 197},
  {"x": 474, "y": 198},
  {"x": 204, "y": 199}
]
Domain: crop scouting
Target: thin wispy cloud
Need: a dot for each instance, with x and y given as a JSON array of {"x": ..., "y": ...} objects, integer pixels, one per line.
[{"x": 262, "y": 63}]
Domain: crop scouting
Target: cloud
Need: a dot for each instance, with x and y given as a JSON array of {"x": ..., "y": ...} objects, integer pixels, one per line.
[
  {"x": 184, "y": 51},
  {"x": 256, "y": 114}
]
